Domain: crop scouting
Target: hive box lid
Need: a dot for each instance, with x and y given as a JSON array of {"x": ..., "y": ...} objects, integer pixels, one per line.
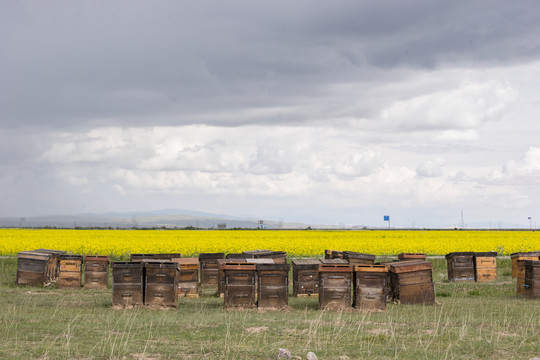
[
  {"x": 466, "y": 253},
  {"x": 485, "y": 254},
  {"x": 370, "y": 268},
  {"x": 211, "y": 255},
  {"x": 34, "y": 255},
  {"x": 239, "y": 266},
  {"x": 104, "y": 258},
  {"x": 357, "y": 255},
  {"x": 335, "y": 268},
  {"x": 334, "y": 261},
  {"x": 70, "y": 257},
  {"x": 186, "y": 261},
  {"x": 409, "y": 266},
  {"x": 306, "y": 261}
]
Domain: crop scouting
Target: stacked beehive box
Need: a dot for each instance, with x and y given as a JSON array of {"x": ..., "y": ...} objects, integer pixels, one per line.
[
  {"x": 161, "y": 283},
  {"x": 128, "y": 283},
  {"x": 70, "y": 271},
  {"x": 96, "y": 272},
  {"x": 53, "y": 266},
  {"x": 221, "y": 272},
  {"x": 272, "y": 285},
  {"x": 357, "y": 258},
  {"x": 532, "y": 279},
  {"x": 460, "y": 266},
  {"x": 411, "y": 256},
  {"x": 305, "y": 277},
  {"x": 369, "y": 287},
  {"x": 188, "y": 277},
  {"x": 335, "y": 285},
  {"x": 485, "y": 266},
  {"x": 411, "y": 282},
  {"x": 239, "y": 285},
  {"x": 209, "y": 270},
  {"x": 515, "y": 257}
]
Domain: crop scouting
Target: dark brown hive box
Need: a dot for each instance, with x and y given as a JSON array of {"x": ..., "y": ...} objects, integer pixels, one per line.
[
  {"x": 209, "y": 268},
  {"x": 161, "y": 283},
  {"x": 70, "y": 271},
  {"x": 335, "y": 285},
  {"x": 33, "y": 268},
  {"x": 411, "y": 282},
  {"x": 369, "y": 287},
  {"x": 188, "y": 277},
  {"x": 272, "y": 285},
  {"x": 485, "y": 266},
  {"x": 520, "y": 286},
  {"x": 239, "y": 287},
  {"x": 168, "y": 256},
  {"x": 460, "y": 266},
  {"x": 411, "y": 256},
  {"x": 221, "y": 273},
  {"x": 357, "y": 258},
  {"x": 306, "y": 277},
  {"x": 128, "y": 277},
  {"x": 532, "y": 279},
  {"x": 96, "y": 272}
]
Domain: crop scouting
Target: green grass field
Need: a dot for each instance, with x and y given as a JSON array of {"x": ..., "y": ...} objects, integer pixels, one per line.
[{"x": 470, "y": 321}]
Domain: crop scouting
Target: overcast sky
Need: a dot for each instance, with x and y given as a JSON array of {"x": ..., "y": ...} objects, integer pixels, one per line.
[{"x": 334, "y": 112}]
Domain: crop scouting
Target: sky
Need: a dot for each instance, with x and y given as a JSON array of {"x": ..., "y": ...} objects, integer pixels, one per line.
[{"x": 327, "y": 112}]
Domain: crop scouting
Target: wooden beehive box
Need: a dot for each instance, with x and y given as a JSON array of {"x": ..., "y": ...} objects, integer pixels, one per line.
[
  {"x": 32, "y": 268},
  {"x": 209, "y": 268},
  {"x": 239, "y": 286},
  {"x": 188, "y": 277},
  {"x": 515, "y": 257},
  {"x": 128, "y": 286},
  {"x": 460, "y": 266},
  {"x": 411, "y": 256},
  {"x": 357, "y": 258},
  {"x": 411, "y": 282},
  {"x": 53, "y": 265},
  {"x": 485, "y": 266},
  {"x": 161, "y": 283},
  {"x": 305, "y": 277},
  {"x": 221, "y": 273},
  {"x": 520, "y": 286},
  {"x": 70, "y": 271},
  {"x": 532, "y": 279},
  {"x": 335, "y": 285},
  {"x": 96, "y": 272},
  {"x": 369, "y": 287},
  {"x": 272, "y": 286},
  {"x": 167, "y": 256}
]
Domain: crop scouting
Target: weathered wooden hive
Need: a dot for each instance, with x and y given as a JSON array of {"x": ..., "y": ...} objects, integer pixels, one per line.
[
  {"x": 33, "y": 268},
  {"x": 485, "y": 266},
  {"x": 515, "y": 257},
  {"x": 532, "y": 279},
  {"x": 221, "y": 273},
  {"x": 520, "y": 286},
  {"x": 305, "y": 277},
  {"x": 411, "y": 282},
  {"x": 53, "y": 266},
  {"x": 96, "y": 272},
  {"x": 128, "y": 283},
  {"x": 70, "y": 271},
  {"x": 411, "y": 256},
  {"x": 239, "y": 287},
  {"x": 147, "y": 257},
  {"x": 272, "y": 285},
  {"x": 369, "y": 287},
  {"x": 209, "y": 268},
  {"x": 460, "y": 266},
  {"x": 161, "y": 283},
  {"x": 188, "y": 277},
  {"x": 335, "y": 281},
  {"x": 357, "y": 258}
]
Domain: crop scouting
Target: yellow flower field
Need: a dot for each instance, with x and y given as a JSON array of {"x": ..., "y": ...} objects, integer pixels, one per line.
[{"x": 294, "y": 242}]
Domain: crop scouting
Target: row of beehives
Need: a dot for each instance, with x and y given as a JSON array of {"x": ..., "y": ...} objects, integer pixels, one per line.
[{"x": 43, "y": 267}]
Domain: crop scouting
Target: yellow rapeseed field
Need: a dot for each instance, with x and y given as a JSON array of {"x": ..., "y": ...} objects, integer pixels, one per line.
[{"x": 294, "y": 242}]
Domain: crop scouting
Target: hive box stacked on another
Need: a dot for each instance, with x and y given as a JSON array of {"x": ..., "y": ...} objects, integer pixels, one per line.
[
  {"x": 335, "y": 285},
  {"x": 411, "y": 282},
  {"x": 70, "y": 271},
  {"x": 357, "y": 258},
  {"x": 209, "y": 268},
  {"x": 532, "y": 279},
  {"x": 531, "y": 255},
  {"x": 460, "y": 266},
  {"x": 485, "y": 266},
  {"x": 53, "y": 266},
  {"x": 128, "y": 286},
  {"x": 305, "y": 277},
  {"x": 239, "y": 286},
  {"x": 188, "y": 277},
  {"x": 272, "y": 285},
  {"x": 96, "y": 272},
  {"x": 369, "y": 287},
  {"x": 411, "y": 256},
  {"x": 221, "y": 273},
  {"x": 161, "y": 283}
]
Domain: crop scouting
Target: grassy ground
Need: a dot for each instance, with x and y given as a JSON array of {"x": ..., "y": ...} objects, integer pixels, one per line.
[{"x": 470, "y": 321}]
